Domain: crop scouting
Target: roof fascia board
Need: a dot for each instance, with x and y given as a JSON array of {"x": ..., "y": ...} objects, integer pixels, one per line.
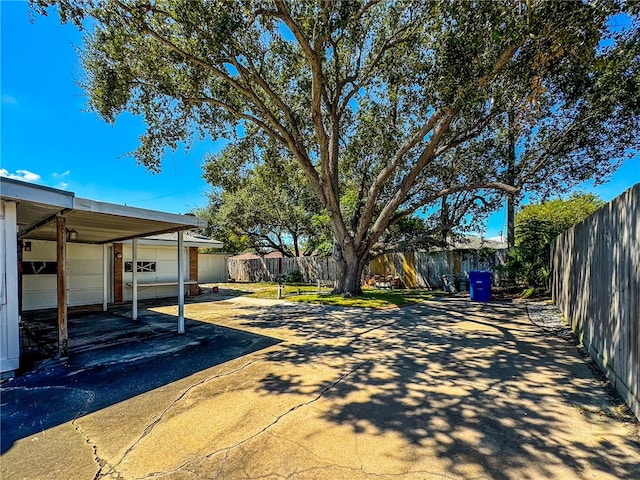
[
  {"x": 187, "y": 243},
  {"x": 29, "y": 192},
  {"x": 188, "y": 221}
]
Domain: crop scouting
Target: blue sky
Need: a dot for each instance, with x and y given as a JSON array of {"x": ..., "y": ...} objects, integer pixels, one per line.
[
  {"x": 47, "y": 132},
  {"x": 48, "y": 137}
]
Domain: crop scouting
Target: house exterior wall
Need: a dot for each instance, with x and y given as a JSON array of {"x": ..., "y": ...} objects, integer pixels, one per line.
[
  {"x": 166, "y": 258},
  {"x": 9, "y": 318},
  {"x": 84, "y": 275},
  {"x": 85, "y": 270},
  {"x": 212, "y": 267}
]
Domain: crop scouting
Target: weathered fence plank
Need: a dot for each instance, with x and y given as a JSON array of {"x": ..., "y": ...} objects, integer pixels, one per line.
[
  {"x": 415, "y": 269},
  {"x": 272, "y": 269},
  {"x": 425, "y": 269},
  {"x": 595, "y": 282}
]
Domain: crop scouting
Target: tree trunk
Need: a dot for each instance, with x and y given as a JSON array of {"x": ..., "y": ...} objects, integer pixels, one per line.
[
  {"x": 511, "y": 174},
  {"x": 296, "y": 249},
  {"x": 349, "y": 268}
]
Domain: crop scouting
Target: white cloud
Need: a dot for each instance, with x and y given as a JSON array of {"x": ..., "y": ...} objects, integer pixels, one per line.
[
  {"x": 61, "y": 175},
  {"x": 62, "y": 186},
  {"x": 24, "y": 175}
]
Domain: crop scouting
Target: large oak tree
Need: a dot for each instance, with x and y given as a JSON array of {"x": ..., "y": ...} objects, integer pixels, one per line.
[{"x": 390, "y": 108}]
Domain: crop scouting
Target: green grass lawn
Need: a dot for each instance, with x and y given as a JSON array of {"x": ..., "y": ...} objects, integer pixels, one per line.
[{"x": 371, "y": 298}]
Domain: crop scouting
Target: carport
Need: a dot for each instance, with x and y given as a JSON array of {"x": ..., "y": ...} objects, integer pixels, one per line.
[{"x": 34, "y": 212}]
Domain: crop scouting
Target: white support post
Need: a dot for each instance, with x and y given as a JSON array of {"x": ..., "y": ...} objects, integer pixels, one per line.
[
  {"x": 134, "y": 277},
  {"x": 180, "y": 282},
  {"x": 9, "y": 320},
  {"x": 105, "y": 277}
]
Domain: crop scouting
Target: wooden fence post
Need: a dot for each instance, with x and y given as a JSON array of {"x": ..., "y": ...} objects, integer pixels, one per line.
[{"x": 61, "y": 254}]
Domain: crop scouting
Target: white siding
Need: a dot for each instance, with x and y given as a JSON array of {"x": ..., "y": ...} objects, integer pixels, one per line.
[
  {"x": 212, "y": 267},
  {"x": 166, "y": 259},
  {"x": 39, "y": 291},
  {"x": 84, "y": 270},
  {"x": 84, "y": 276}
]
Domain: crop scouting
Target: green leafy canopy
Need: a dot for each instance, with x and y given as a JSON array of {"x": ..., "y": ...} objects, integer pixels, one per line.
[
  {"x": 270, "y": 206},
  {"x": 536, "y": 227}
]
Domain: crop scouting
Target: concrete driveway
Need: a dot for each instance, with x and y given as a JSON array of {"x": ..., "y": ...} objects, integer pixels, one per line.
[{"x": 446, "y": 389}]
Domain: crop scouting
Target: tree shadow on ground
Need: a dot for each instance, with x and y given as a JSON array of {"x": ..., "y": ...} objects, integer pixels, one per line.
[
  {"x": 449, "y": 377},
  {"x": 113, "y": 358}
]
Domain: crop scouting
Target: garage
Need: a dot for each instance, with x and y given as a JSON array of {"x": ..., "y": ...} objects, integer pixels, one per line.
[{"x": 61, "y": 251}]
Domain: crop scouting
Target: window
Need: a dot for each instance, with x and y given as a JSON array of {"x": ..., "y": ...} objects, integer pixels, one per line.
[
  {"x": 39, "y": 268},
  {"x": 142, "y": 267}
]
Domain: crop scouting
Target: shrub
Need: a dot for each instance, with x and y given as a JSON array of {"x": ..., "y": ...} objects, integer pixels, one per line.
[{"x": 294, "y": 277}]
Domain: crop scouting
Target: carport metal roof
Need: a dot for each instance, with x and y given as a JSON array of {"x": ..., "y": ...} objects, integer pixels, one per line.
[
  {"x": 191, "y": 239},
  {"x": 96, "y": 222}
]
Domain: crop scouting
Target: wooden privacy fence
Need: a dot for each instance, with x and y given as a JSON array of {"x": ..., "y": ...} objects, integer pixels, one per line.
[
  {"x": 271, "y": 269},
  {"x": 425, "y": 269},
  {"x": 415, "y": 269},
  {"x": 595, "y": 282}
]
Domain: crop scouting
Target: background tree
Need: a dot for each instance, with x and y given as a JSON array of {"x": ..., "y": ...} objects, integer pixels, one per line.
[
  {"x": 233, "y": 241},
  {"x": 536, "y": 227},
  {"x": 389, "y": 108},
  {"x": 267, "y": 207}
]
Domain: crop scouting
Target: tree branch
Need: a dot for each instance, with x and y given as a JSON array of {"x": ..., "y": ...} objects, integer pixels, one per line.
[
  {"x": 313, "y": 55},
  {"x": 428, "y": 239},
  {"x": 429, "y": 153},
  {"x": 468, "y": 134},
  {"x": 495, "y": 185},
  {"x": 409, "y": 179},
  {"x": 385, "y": 173},
  {"x": 291, "y": 142},
  {"x": 388, "y": 44},
  {"x": 236, "y": 113}
]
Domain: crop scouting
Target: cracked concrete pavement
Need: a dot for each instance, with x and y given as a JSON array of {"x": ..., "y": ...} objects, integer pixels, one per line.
[{"x": 443, "y": 389}]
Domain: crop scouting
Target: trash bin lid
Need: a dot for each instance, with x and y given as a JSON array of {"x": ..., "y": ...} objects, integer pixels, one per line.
[{"x": 479, "y": 275}]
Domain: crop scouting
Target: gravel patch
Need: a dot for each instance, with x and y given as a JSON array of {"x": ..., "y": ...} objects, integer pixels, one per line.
[{"x": 547, "y": 316}]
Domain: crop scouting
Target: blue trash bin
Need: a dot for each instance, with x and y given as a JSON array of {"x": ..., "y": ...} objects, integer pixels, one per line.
[{"x": 480, "y": 286}]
